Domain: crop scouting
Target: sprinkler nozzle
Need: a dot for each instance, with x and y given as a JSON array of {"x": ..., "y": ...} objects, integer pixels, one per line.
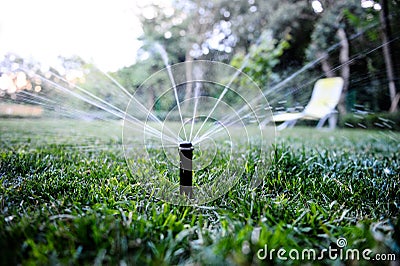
[{"x": 186, "y": 168}]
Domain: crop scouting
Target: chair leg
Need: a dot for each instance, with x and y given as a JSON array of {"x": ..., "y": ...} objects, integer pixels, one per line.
[
  {"x": 282, "y": 126},
  {"x": 322, "y": 121},
  {"x": 333, "y": 121},
  {"x": 289, "y": 123},
  {"x": 292, "y": 123}
]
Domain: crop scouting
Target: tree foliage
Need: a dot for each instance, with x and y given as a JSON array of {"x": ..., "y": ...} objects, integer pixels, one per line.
[
  {"x": 298, "y": 36},
  {"x": 261, "y": 59}
]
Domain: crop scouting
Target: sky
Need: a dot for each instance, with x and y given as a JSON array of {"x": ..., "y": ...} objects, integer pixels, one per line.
[{"x": 102, "y": 32}]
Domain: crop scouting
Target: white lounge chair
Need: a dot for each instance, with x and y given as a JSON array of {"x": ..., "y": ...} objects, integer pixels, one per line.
[{"x": 324, "y": 99}]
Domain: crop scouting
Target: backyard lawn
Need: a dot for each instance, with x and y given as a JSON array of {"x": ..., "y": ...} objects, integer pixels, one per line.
[{"x": 67, "y": 196}]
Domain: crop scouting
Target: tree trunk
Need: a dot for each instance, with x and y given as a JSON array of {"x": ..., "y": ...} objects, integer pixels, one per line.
[
  {"x": 395, "y": 102},
  {"x": 326, "y": 67},
  {"x": 384, "y": 19},
  {"x": 345, "y": 68}
]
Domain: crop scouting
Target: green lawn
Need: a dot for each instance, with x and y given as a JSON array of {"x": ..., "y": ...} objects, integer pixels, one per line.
[{"x": 67, "y": 196}]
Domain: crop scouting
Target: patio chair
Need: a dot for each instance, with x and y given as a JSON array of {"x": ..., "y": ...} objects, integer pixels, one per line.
[{"x": 324, "y": 99}]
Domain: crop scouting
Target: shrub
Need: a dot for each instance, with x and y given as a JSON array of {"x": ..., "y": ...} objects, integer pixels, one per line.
[{"x": 381, "y": 121}]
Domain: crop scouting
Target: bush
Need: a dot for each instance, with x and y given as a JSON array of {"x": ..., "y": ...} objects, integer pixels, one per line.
[{"x": 381, "y": 121}]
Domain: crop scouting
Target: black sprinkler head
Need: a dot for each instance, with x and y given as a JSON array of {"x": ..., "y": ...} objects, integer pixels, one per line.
[{"x": 186, "y": 168}]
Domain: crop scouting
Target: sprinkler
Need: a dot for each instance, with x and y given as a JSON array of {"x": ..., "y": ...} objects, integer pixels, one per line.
[{"x": 186, "y": 168}]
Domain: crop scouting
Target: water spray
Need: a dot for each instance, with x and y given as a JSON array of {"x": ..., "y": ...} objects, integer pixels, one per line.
[
  {"x": 221, "y": 162},
  {"x": 186, "y": 168}
]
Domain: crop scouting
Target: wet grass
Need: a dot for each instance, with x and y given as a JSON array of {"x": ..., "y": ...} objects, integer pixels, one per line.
[{"x": 68, "y": 197}]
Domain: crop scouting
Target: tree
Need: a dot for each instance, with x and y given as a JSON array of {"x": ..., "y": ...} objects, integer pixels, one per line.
[
  {"x": 357, "y": 34},
  {"x": 335, "y": 36},
  {"x": 182, "y": 30},
  {"x": 261, "y": 59},
  {"x": 331, "y": 28},
  {"x": 386, "y": 38}
]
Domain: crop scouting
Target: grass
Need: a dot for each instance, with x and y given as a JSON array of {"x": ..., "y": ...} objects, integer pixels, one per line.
[{"x": 68, "y": 197}]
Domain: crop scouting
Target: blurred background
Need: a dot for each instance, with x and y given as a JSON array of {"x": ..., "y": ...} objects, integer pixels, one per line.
[{"x": 284, "y": 46}]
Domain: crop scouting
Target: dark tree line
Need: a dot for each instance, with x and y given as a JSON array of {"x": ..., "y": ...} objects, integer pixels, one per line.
[{"x": 345, "y": 38}]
